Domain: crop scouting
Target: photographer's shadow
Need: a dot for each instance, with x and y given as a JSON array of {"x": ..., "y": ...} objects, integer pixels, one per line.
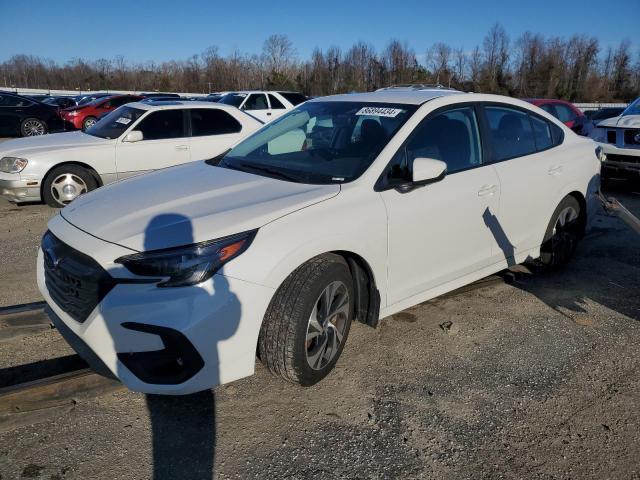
[{"x": 183, "y": 427}]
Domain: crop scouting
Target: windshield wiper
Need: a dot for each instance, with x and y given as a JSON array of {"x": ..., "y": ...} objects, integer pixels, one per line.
[{"x": 269, "y": 171}]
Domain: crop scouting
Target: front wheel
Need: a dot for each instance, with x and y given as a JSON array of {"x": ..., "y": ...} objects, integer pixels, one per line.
[
  {"x": 308, "y": 321},
  {"x": 562, "y": 234},
  {"x": 66, "y": 183}
]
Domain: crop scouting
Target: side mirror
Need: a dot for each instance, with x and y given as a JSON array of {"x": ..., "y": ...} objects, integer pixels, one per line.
[
  {"x": 133, "y": 136},
  {"x": 428, "y": 170}
]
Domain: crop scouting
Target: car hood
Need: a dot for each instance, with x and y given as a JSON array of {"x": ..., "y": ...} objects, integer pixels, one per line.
[
  {"x": 29, "y": 146},
  {"x": 187, "y": 204},
  {"x": 622, "y": 121}
]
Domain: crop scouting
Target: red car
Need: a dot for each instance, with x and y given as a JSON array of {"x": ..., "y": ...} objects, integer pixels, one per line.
[
  {"x": 85, "y": 116},
  {"x": 566, "y": 112}
]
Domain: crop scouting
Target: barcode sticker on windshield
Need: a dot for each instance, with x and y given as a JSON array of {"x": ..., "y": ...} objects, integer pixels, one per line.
[
  {"x": 124, "y": 121},
  {"x": 380, "y": 111}
]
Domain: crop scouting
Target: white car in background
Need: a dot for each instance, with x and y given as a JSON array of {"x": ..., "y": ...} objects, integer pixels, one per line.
[
  {"x": 265, "y": 106},
  {"x": 135, "y": 138},
  {"x": 371, "y": 203},
  {"x": 620, "y": 140}
]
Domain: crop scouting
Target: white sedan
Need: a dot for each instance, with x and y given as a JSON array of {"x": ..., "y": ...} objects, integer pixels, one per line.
[
  {"x": 135, "y": 138},
  {"x": 351, "y": 207},
  {"x": 265, "y": 106}
]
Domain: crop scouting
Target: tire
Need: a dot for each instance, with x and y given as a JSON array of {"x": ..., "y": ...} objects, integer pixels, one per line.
[
  {"x": 53, "y": 188},
  {"x": 89, "y": 122},
  {"x": 562, "y": 235},
  {"x": 285, "y": 345},
  {"x": 32, "y": 127}
]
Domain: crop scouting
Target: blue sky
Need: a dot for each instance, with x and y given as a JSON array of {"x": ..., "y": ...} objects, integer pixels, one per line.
[{"x": 162, "y": 29}]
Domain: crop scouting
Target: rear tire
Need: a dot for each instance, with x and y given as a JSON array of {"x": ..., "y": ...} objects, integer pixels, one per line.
[
  {"x": 65, "y": 183},
  {"x": 562, "y": 234},
  {"x": 307, "y": 323},
  {"x": 32, "y": 127}
]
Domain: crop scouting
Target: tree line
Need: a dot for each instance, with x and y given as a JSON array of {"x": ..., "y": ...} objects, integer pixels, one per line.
[{"x": 576, "y": 69}]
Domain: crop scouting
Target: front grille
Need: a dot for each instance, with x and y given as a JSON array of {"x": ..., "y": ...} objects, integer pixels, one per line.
[
  {"x": 622, "y": 158},
  {"x": 611, "y": 136},
  {"x": 75, "y": 281},
  {"x": 630, "y": 137}
]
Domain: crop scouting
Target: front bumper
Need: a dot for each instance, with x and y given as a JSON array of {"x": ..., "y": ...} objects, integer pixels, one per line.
[
  {"x": 165, "y": 340},
  {"x": 17, "y": 189}
]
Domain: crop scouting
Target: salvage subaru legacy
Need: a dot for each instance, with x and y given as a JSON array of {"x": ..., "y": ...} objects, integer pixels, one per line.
[{"x": 348, "y": 208}]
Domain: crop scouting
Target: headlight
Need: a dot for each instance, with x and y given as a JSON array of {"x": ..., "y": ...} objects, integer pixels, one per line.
[
  {"x": 190, "y": 264},
  {"x": 600, "y": 154},
  {"x": 12, "y": 164}
]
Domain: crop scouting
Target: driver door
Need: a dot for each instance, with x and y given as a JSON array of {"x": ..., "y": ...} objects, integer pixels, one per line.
[
  {"x": 439, "y": 232},
  {"x": 164, "y": 144}
]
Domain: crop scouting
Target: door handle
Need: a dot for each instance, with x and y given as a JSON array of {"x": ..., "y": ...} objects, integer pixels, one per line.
[
  {"x": 268, "y": 113},
  {"x": 182, "y": 147},
  {"x": 487, "y": 190},
  {"x": 555, "y": 170}
]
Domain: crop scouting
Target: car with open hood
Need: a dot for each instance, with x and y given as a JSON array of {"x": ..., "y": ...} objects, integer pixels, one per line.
[
  {"x": 130, "y": 140},
  {"x": 347, "y": 208},
  {"x": 620, "y": 140}
]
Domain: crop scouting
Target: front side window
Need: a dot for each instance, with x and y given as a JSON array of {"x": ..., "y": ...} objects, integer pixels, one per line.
[
  {"x": 316, "y": 143},
  {"x": 162, "y": 125},
  {"x": 510, "y": 132},
  {"x": 10, "y": 101},
  {"x": 451, "y": 136},
  {"x": 211, "y": 121},
  {"x": 115, "y": 123},
  {"x": 256, "y": 101}
]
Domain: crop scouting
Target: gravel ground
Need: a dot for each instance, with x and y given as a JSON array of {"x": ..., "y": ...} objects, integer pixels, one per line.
[{"x": 532, "y": 377}]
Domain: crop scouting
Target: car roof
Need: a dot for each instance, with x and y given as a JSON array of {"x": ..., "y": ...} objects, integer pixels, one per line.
[
  {"x": 408, "y": 96},
  {"x": 173, "y": 104}
]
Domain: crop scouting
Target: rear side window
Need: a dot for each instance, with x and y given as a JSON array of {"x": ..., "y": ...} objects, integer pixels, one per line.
[
  {"x": 163, "y": 124},
  {"x": 541, "y": 133},
  {"x": 211, "y": 121},
  {"x": 293, "y": 97},
  {"x": 275, "y": 103},
  {"x": 9, "y": 101},
  {"x": 510, "y": 131}
]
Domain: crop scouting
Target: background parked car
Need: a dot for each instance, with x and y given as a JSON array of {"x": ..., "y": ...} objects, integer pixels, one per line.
[
  {"x": 38, "y": 98},
  {"x": 264, "y": 106},
  {"x": 85, "y": 116},
  {"x": 596, "y": 116},
  {"x": 23, "y": 116},
  {"x": 566, "y": 112},
  {"x": 133, "y": 139},
  {"x": 60, "y": 101},
  {"x": 90, "y": 97},
  {"x": 160, "y": 99},
  {"x": 159, "y": 95},
  {"x": 620, "y": 140}
]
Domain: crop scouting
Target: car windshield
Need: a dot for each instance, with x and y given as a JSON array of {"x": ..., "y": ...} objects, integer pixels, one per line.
[
  {"x": 234, "y": 99},
  {"x": 633, "y": 109},
  {"x": 115, "y": 123},
  {"x": 320, "y": 142}
]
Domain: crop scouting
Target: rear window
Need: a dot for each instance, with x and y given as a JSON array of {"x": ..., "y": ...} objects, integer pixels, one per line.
[
  {"x": 211, "y": 121},
  {"x": 294, "y": 98}
]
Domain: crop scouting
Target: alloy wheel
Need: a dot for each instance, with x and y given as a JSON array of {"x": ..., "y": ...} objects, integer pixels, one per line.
[
  {"x": 32, "y": 128},
  {"x": 66, "y": 187},
  {"x": 327, "y": 325}
]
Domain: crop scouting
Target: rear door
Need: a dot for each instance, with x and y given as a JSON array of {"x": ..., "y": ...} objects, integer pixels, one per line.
[
  {"x": 165, "y": 143},
  {"x": 277, "y": 107},
  {"x": 531, "y": 173},
  {"x": 213, "y": 131}
]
